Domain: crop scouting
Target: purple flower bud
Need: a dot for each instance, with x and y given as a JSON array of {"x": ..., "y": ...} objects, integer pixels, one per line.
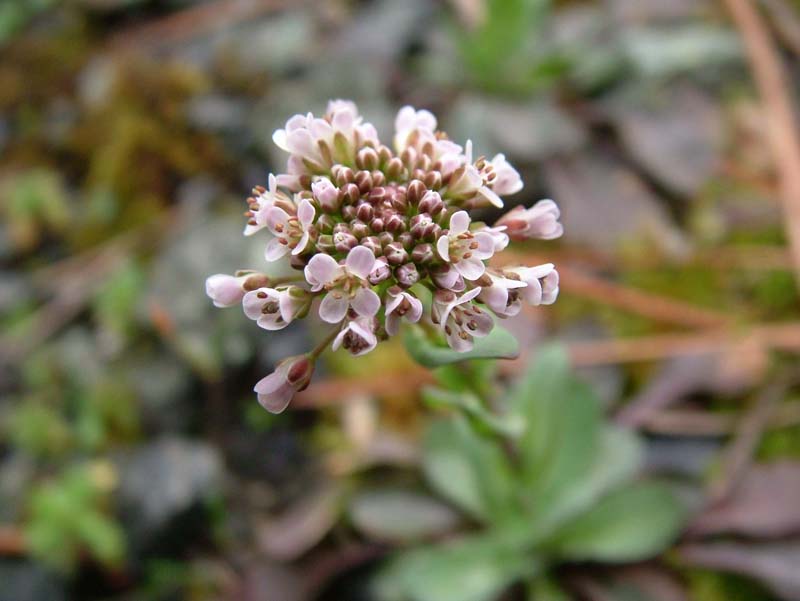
[
  {"x": 380, "y": 272},
  {"x": 342, "y": 175},
  {"x": 359, "y": 229},
  {"x": 367, "y": 158},
  {"x": 415, "y": 192},
  {"x": 407, "y": 240},
  {"x": 395, "y": 253},
  {"x": 385, "y": 238},
  {"x": 407, "y": 275},
  {"x": 351, "y": 194},
  {"x": 275, "y": 392},
  {"x": 377, "y": 195},
  {"x": 394, "y": 169},
  {"x": 394, "y": 223},
  {"x": 378, "y": 178},
  {"x": 364, "y": 212},
  {"x": 255, "y": 281},
  {"x": 348, "y": 212},
  {"x": 374, "y": 244},
  {"x": 400, "y": 202},
  {"x": 419, "y": 223},
  {"x": 363, "y": 181},
  {"x": 384, "y": 154},
  {"x": 376, "y": 225},
  {"x": 422, "y": 253},
  {"x": 431, "y": 203},
  {"x": 433, "y": 179},
  {"x": 344, "y": 241}
]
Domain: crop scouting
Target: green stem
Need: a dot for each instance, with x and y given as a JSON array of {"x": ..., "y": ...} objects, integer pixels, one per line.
[{"x": 317, "y": 350}]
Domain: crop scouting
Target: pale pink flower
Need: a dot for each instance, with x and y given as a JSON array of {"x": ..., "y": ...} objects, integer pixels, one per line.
[
  {"x": 498, "y": 234},
  {"x": 400, "y": 304},
  {"x": 465, "y": 250},
  {"x": 541, "y": 283},
  {"x": 274, "y": 309},
  {"x": 326, "y": 194},
  {"x": 460, "y": 318},
  {"x": 271, "y": 197},
  {"x": 503, "y": 295},
  {"x": 540, "y": 221},
  {"x": 346, "y": 284},
  {"x": 357, "y": 336},
  {"x": 290, "y": 376},
  {"x": 291, "y": 232},
  {"x": 226, "y": 290},
  {"x": 506, "y": 179},
  {"x": 410, "y": 121}
]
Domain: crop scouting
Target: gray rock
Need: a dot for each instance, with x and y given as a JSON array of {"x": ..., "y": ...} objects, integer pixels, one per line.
[
  {"x": 160, "y": 483},
  {"x": 27, "y": 581}
]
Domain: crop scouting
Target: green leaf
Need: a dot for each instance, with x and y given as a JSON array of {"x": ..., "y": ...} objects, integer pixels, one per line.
[
  {"x": 401, "y": 516},
  {"x": 472, "y": 569},
  {"x": 618, "y": 458},
  {"x": 471, "y": 405},
  {"x": 631, "y": 524},
  {"x": 546, "y": 588},
  {"x": 563, "y": 420},
  {"x": 499, "y": 344},
  {"x": 467, "y": 470}
]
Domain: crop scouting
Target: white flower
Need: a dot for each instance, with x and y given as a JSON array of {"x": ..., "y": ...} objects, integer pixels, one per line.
[
  {"x": 503, "y": 295},
  {"x": 290, "y": 376},
  {"x": 357, "y": 336},
  {"x": 346, "y": 284},
  {"x": 541, "y": 283},
  {"x": 410, "y": 121},
  {"x": 540, "y": 221},
  {"x": 506, "y": 179},
  {"x": 401, "y": 304},
  {"x": 271, "y": 197},
  {"x": 291, "y": 232},
  {"x": 465, "y": 250},
  {"x": 274, "y": 309},
  {"x": 460, "y": 318},
  {"x": 226, "y": 290}
]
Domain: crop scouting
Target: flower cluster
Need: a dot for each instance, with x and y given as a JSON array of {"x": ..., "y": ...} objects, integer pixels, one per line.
[{"x": 369, "y": 227}]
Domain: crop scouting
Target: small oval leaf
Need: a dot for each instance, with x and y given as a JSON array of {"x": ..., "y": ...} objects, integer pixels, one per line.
[{"x": 499, "y": 344}]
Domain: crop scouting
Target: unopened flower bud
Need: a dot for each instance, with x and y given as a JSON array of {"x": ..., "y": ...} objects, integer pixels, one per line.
[
  {"x": 419, "y": 223},
  {"x": 433, "y": 179},
  {"x": 431, "y": 203},
  {"x": 378, "y": 178},
  {"x": 359, "y": 229},
  {"x": 342, "y": 175},
  {"x": 377, "y": 195},
  {"x": 409, "y": 157},
  {"x": 384, "y": 154},
  {"x": 226, "y": 290},
  {"x": 327, "y": 195},
  {"x": 407, "y": 275},
  {"x": 298, "y": 262},
  {"x": 385, "y": 238},
  {"x": 415, "y": 192},
  {"x": 367, "y": 158},
  {"x": 364, "y": 212},
  {"x": 255, "y": 281},
  {"x": 325, "y": 224},
  {"x": 363, "y": 181},
  {"x": 374, "y": 244},
  {"x": 376, "y": 225},
  {"x": 351, "y": 194},
  {"x": 394, "y": 169},
  {"x": 380, "y": 271},
  {"x": 406, "y": 239},
  {"x": 325, "y": 244},
  {"x": 349, "y": 212},
  {"x": 291, "y": 375},
  {"x": 422, "y": 253},
  {"x": 394, "y": 223},
  {"x": 344, "y": 241},
  {"x": 540, "y": 221},
  {"x": 400, "y": 202},
  {"x": 395, "y": 253}
]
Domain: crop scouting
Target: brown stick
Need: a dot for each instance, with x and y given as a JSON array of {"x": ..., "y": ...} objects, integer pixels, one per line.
[
  {"x": 782, "y": 125},
  {"x": 693, "y": 422},
  {"x": 12, "y": 541}
]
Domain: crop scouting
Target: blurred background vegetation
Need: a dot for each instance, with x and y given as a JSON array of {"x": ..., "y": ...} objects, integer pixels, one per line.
[{"x": 134, "y": 460}]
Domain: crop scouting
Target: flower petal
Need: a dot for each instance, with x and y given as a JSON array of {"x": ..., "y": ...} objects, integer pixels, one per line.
[
  {"x": 360, "y": 261},
  {"x": 459, "y": 223},
  {"x": 366, "y": 303},
  {"x": 321, "y": 269},
  {"x": 333, "y": 307},
  {"x": 470, "y": 269},
  {"x": 275, "y": 250},
  {"x": 443, "y": 248}
]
